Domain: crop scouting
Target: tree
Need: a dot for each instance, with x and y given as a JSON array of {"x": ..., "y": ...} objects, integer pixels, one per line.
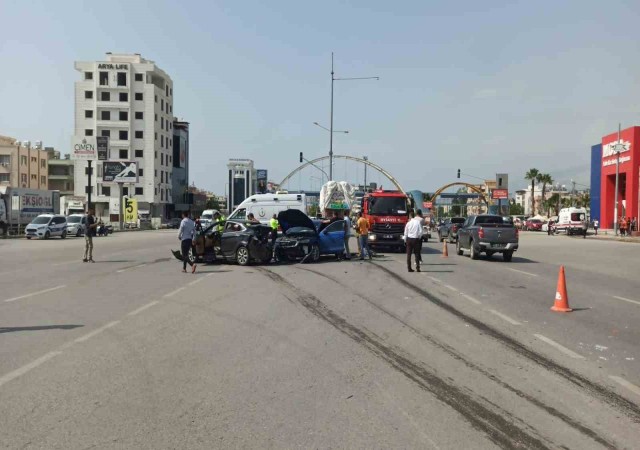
[
  {"x": 584, "y": 200},
  {"x": 532, "y": 175},
  {"x": 212, "y": 203},
  {"x": 554, "y": 203},
  {"x": 515, "y": 209},
  {"x": 545, "y": 179}
]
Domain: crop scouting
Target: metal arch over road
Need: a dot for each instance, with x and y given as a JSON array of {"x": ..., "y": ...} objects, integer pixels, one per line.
[
  {"x": 460, "y": 183},
  {"x": 351, "y": 158}
]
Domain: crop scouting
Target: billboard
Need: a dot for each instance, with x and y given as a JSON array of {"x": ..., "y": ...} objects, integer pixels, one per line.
[
  {"x": 120, "y": 172},
  {"x": 83, "y": 148},
  {"x": 102, "y": 145},
  {"x": 261, "y": 177},
  {"x": 130, "y": 210},
  {"x": 500, "y": 194}
]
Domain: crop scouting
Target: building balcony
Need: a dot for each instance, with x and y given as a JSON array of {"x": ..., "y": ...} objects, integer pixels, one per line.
[
  {"x": 112, "y": 123},
  {"x": 61, "y": 177},
  {"x": 113, "y": 104}
]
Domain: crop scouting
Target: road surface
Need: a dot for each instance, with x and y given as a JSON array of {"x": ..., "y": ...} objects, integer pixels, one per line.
[{"x": 131, "y": 353}]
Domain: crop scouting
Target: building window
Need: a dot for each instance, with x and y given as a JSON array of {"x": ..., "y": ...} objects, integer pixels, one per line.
[
  {"x": 139, "y": 115},
  {"x": 139, "y": 191},
  {"x": 156, "y": 157},
  {"x": 162, "y": 104},
  {"x": 162, "y": 159},
  {"x": 99, "y": 169},
  {"x": 105, "y": 115},
  {"x": 139, "y": 77},
  {"x": 43, "y": 179},
  {"x": 34, "y": 177},
  {"x": 171, "y": 109},
  {"x": 156, "y": 98},
  {"x": 23, "y": 160},
  {"x": 5, "y": 177},
  {"x": 105, "y": 96},
  {"x": 43, "y": 163},
  {"x": 156, "y": 135},
  {"x": 23, "y": 177},
  {"x": 5, "y": 160},
  {"x": 105, "y": 133},
  {"x": 123, "y": 115},
  {"x": 88, "y": 94},
  {"x": 88, "y": 132},
  {"x": 162, "y": 123},
  {"x": 124, "y": 154},
  {"x": 123, "y": 135},
  {"x": 124, "y": 96},
  {"x": 106, "y": 191},
  {"x": 171, "y": 92},
  {"x": 34, "y": 159},
  {"x": 88, "y": 75},
  {"x": 161, "y": 141},
  {"x": 166, "y": 90},
  {"x": 122, "y": 79},
  {"x": 88, "y": 114},
  {"x": 104, "y": 78},
  {"x": 162, "y": 194},
  {"x": 139, "y": 134},
  {"x": 140, "y": 172},
  {"x": 156, "y": 117},
  {"x": 125, "y": 191},
  {"x": 139, "y": 96},
  {"x": 139, "y": 154},
  {"x": 155, "y": 173}
]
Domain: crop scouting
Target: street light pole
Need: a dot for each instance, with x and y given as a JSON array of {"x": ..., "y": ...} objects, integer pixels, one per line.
[{"x": 366, "y": 158}]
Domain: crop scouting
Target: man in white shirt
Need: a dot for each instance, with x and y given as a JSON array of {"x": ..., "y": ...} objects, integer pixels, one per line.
[
  {"x": 412, "y": 238},
  {"x": 186, "y": 233}
]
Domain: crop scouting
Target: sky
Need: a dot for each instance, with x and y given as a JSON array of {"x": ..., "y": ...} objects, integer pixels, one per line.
[{"x": 483, "y": 86}]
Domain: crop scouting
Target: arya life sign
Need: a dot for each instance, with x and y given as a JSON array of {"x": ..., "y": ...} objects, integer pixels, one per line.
[{"x": 84, "y": 148}]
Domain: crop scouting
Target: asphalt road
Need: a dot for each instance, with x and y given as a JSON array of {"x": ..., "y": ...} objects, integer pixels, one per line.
[{"x": 131, "y": 353}]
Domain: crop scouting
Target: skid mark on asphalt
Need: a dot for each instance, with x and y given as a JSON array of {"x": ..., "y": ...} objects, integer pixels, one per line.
[
  {"x": 601, "y": 391},
  {"x": 573, "y": 423},
  {"x": 44, "y": 291},
  {"x": 498, "y": 425}
]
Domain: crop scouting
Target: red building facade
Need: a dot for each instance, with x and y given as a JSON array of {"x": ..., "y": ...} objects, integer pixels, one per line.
[{"x": 628, "y": 182}]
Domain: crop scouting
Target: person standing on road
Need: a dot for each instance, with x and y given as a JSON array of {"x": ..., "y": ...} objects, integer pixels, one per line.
[
  {"x": 186, "y": 233},
  {"x": 347, "y": 235},
  {"x": 622, "y": 226},
  {"x": 422, "y": 223},
  {"x": 596, "y": 225},
  {"x": 363, "y": 230},
  {"x": 274, "y": 224},
  {"x": 585, "y": 228},
  {"x": 89, "y": 233},
  {"x": 412, "y": 238}
]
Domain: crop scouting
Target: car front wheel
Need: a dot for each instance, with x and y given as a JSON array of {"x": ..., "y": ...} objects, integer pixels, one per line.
[
  {"x": 242, "y": 256},
  {"x": 63, "y": 235},
  {"x": 47, "y": 235}
]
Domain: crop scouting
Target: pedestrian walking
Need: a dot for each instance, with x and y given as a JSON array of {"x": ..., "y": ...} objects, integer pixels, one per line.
[
  {"x": 347, "y": 235},
  {"x": 585, "y": 228},
  {"x": 89, "y": 232},
  {"x": 596, "y": 225},
  {"x": 363, "y": 229},
  {"x": 623, "y": 226},
  {"x": 634, "y": 224},
  {"x": 186, "y": 233},
  {"x": 412, "y": 238},
  {"x": 422, "y": 223}
]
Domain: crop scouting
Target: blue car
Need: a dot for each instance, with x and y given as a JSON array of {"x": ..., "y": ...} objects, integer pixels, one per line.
[{"x": 305, "y": 240}]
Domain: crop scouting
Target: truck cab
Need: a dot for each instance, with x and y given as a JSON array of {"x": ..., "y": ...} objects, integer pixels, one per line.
[{"x": 387, "y": 213}]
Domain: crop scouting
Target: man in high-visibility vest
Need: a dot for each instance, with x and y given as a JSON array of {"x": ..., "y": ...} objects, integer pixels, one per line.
[
  {"x": 219, "y": 220},
  {"x": 274, "y": 229}
]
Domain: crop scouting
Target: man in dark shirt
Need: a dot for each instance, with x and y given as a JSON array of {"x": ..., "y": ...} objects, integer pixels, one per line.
[{"x": 89, "y": 233}]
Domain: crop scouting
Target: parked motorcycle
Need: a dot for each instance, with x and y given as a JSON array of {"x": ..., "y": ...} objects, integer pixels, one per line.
[{"x": 103, "y": 230}]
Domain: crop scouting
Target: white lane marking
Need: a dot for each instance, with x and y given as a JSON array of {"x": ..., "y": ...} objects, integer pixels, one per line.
[
  {"x": 96, "y": 331},
  {"x": 563, "y": 349},
  {"x": 522, "y": 271},
  {"x": 75, "y": 261},
  {"x": 632, "y": 387},
  {"x": 191, "y": 283},
  {"x": 450, "y": 287},
  {"x": 172, "y": 293},
  {"x": 134, "y": 267},
  {"x": 437, "y": 280},
  {"x": 471, "y": 299},
  {"x": 627, "y": 300},
  {"x": 142, "y": 308},
  {"x": 36, "y": 293},
  {"x": 504, "y": 317},
  {"x": 27, "y": 367}
]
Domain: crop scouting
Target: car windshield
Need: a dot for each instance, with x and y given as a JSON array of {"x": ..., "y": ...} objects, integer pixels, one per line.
[
  {"x": 40, "y": 220},
  {"x": 458, "y": 220},
  {"x": 300, "y": 231},
  {"x": 388, "y": 206},
  {"x": 73, "y": 219},
  {"x": 206, "y": 217},
  {"x": 489, "y": 219}
]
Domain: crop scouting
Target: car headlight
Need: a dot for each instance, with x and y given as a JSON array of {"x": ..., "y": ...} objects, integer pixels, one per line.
[{"x": 372, "y": 237}]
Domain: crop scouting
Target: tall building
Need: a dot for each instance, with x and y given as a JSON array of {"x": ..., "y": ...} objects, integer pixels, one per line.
[
  {"x": 129, "y": 99},
  {"x": 180, "y": 177},
  {"x": 23, "y": 165},
  {"x": 242, "y": 181},
  {"x": 61, "y": 172}
]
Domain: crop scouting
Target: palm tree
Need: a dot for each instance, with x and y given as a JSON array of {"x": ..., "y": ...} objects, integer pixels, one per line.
[
  {"x": 532, "y": 175},
  {"x": 545, "y": 179},
  {"x": 554, "y": 203}
]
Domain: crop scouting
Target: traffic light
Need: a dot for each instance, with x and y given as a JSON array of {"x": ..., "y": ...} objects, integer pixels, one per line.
[
  {"x": 301, "y": 157},
  {"x": 458, "y": 173}
]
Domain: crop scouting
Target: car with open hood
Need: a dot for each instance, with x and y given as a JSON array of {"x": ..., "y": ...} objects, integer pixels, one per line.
[{"x": 305, "y": 240}]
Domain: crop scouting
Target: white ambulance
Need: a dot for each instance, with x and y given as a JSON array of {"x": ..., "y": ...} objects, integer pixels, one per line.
[{"x": 571, "y": 220}]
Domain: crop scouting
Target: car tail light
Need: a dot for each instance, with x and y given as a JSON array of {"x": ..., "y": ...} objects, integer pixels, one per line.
[{"x": 481, "y": 233}]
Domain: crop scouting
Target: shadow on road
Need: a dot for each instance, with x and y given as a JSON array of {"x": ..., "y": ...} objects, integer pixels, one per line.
[{"x": 39, "y": 328}]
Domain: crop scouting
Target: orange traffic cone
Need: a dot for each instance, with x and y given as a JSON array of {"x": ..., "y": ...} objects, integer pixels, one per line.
[
  {"x": 561, "y": 303},
  {"x": 445, "y": 252}
]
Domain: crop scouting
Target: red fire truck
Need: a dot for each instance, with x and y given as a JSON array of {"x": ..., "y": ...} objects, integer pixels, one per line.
[{"x": 388, "y": 213}]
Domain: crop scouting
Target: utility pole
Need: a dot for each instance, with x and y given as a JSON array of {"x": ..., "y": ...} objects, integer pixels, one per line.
[
  {"x": 89, "y": 188},
  {"x": 366, "y": 158}
]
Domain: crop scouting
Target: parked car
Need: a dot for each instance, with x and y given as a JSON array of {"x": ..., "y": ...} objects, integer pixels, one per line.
[
  {"x": 76, "y": 224},
  {"x": 174, "y": 223},
  {"x": 533, "y": 225},
  {"x": 489, "y": 234},
  {"x": 240, "y": 242},
  {"x": 47, "y": 225},
  {"x": 449, "y": 229},
  {"x": 304, "y": 239}
]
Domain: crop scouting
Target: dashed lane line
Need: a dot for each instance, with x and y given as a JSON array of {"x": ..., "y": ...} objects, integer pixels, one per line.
[
  {"x": 134, "y": 267},
  {"x": 436, "y": 280},
  {"x": 44, "y": 291},
  {"x": 142, "y": 308},
  {"x": 96, "y": 331},
  {"x": 27, "y": 367},
  {"x": 523, "y": 272},
  {"x": 172, "y": 293},
  {"x": 563, "y": 349},
  {"x": 621, "y": 381},
  {"x": 471, "y": 299},
  {"x": 626, "y": 300},
  {"x": 448, "y": 286},
  {"x": 504, "y": 317}
]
